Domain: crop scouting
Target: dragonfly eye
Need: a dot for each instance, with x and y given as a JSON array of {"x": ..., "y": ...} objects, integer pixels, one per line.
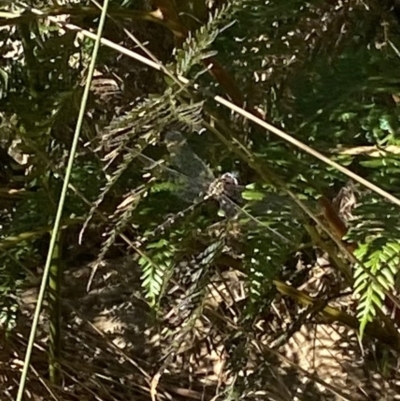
[{"x": 229, "y": 179}]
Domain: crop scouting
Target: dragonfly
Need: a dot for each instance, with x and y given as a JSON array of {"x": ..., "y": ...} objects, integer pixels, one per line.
[{"x": 198, "y": 184}]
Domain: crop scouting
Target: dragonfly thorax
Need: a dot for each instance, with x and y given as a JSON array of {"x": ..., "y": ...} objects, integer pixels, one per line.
[{"x": 223, "y": 185}]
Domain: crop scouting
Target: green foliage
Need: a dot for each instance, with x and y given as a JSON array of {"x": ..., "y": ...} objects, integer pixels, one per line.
[
  {"x": 130, "y": 134},
  {"x": 157, "y": 266},
  {"x": 333, "y": 93},
  {"x": 196, "y": 48},
  {"x": 374, "y": 276},
  {"x": 326, "y": 74},
  {"x": 271, "y": 237}
]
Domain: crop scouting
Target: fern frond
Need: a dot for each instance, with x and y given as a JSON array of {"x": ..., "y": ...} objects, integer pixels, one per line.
[
  {"x": 144, "y": 115},
  {"x": 157, "y": 265},
  {"x": 122, "y": 167},
  {"x": 272, "y": 234},
  {"x": 373, "y": 217},
  {"x": 374, "y": 276},
  {"x": 196, "y": 47},
  {"x": 121, "y": 218},
  {"x": 147, "y": 119}
]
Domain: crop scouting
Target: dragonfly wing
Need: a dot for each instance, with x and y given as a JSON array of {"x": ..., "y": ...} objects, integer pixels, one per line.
[
  {"x": 188, "y": 188},
  {"x": 185, "y": 159},
  {"x": 191, "y": 175},
  {"x": 279, "y": 217}
]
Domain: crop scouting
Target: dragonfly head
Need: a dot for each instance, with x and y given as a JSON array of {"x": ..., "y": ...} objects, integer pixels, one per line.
[
  {"x": 230, "y": 179},
  {"x": 232, "y": 190}
]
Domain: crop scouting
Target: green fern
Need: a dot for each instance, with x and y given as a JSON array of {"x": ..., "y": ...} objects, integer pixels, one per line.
[
  {"x": 375, "y": 228},
  {"x": 157, "y": 266},
  {"x": 374, "y": 276},
  {"x": 196, "y": 47}
]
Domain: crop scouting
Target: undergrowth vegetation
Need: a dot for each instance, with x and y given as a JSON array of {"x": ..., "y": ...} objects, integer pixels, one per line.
[{"x": 230, "y": 228}]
